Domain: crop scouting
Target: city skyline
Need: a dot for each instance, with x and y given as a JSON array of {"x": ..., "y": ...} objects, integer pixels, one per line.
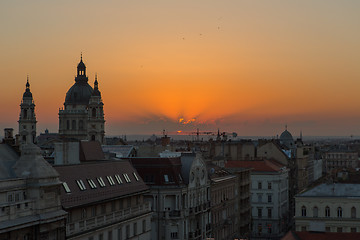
[{"x": 246, "y": 67}]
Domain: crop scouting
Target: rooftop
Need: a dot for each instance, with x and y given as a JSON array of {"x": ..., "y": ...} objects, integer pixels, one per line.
[
  {"x": 98, "y": 181},
  {"x": 342, "y": 190},
  {"x": 257, "y": 165}
]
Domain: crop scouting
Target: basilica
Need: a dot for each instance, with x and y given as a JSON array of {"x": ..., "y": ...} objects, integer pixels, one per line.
[{"x": 81, "y": 118}]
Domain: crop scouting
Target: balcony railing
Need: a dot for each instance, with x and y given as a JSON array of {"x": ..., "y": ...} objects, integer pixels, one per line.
[{"x": 115, "y": 216}]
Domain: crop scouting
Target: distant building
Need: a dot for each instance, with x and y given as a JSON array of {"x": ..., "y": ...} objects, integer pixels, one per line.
[
  {"x": 82, "y": 117},
  {"x": 341, "y": 158},
  {"x": 331, "y": 207},
  {"x": 269, "y": 197},
  {"x": 30, "y": 199}
]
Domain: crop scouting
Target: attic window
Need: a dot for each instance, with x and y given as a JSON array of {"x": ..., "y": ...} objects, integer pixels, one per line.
[
  {"x": 166, "y": 177},
  {"x": 136, "y": 177},
  {"x": 127, "y": 179},
  {"x": 101, "y": 182},
  {"x": 118, "y": 179},
  {"x": 66, "y": 187},
  {"x": 91, "y": 183},
  {"x": 81, "y": 185},
  {"x": 111, "y": 181}
]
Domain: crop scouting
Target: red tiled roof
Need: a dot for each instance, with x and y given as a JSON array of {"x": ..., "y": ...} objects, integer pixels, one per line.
[
  {"x": 77, "y": 197},
  {"x": 320, "y": 236},
  {"x": 256, "y": 165}
]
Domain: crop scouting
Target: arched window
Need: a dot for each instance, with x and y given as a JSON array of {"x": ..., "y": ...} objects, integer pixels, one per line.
[
  {"x": 303, "y": 211},
  {"x": 93, "y": 112},
  {"x": 353, "y": 212},
  {"x": 25, "y": 114},
  {"x": 67, "y": 124},
  {"x": 73, "y": 125},
  {"x": 81, "y": 124},
  {"x": 315, "y": 211},
  {"x": 339, "y": 212},
  {"x": 327, "y": 211},
  {"x": 92, "y": 137}
]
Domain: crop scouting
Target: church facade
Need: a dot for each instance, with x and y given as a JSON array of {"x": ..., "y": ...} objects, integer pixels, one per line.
[{"x": 82, "y": 116}]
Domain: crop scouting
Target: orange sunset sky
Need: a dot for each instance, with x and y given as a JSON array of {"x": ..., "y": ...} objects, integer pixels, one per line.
[{"x": 242, "y": 66}]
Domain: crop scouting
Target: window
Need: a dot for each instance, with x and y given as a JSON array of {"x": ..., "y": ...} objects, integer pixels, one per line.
[
  {"x": 81, "y": 124},
  {"x": 93, "y": 112},
  {"x": 73, "y": 125},
  {"x": 269, "y": 198},
  {"x": 135, "y": 229},
  {"x": 259, "y": 197},
  {"x": 111, "y": 181},
  {"x": 144, "y": 226},
  {"x": 67, "y": 124},
  {"x": 118, "y": 179},
  {"x": 327, "y": 229},
  {"x": 66, "y": 187},
  {"x": 339, "y": 229},
  {"x": 353, "y": 229},
  {"x": 136, "y": 177},
  {"x": 101, "y": 236},
  {"x": 93, "y": 211},
  {"x": 91, "y": 183},
  {"x": 303, "y": 211},
  {"x": 110, "y": 235},
  {"x": 269, "y": 213},
  {"x": 174, "y": 235},
  {"x": 83, "y": 213},
  {"x": 127, "y": 231},
  {"x": 269, "y": 185},
  {"x": 259, "y": 212},
  {"x": 339, "y": 212},
  {"x": 303, "y": 228},
  {"x": 353, "y": 212},
  {"x": 127, "y": 179},
  {"x": 119, "y": 233},
  {"x": 166, "y": 177},
  {"x": 259, "y": 228},
  {"x": 327, "y": 211},
  {"x": 103, "y": 209},
  {"x": 81, "y": 185},
  {"x": 259, "y": 185},
  {"x": 101, "y": 182},
  {"x": 315, "y": 212}
]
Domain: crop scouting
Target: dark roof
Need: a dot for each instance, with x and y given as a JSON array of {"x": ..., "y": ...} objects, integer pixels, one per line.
[
  {"x": 91, "y": 151},
  {"x": 215, "y": 171},
  {"x": 79, "y": 93},
  {"x": 257, "y": 165},
  {"x": 291, "y": 235},
  {"x": 78, "y": 197},
  {"x": 159, "y": 171}
]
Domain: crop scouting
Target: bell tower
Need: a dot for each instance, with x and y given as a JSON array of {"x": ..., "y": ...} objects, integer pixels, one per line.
[
  {"x": 96, "y": 121},
  {"x": 27, "y": 120}
]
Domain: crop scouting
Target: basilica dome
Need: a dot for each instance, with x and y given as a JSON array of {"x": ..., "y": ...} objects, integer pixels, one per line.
[{"x": 79, "y": 93}]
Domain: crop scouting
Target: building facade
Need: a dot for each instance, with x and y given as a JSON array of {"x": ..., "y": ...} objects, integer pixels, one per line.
[
  {"x": 269, "y": 197},
  {"x": 104, "y": 200},
  {"x": 29, "y": 199},
  {"x": 179, "y": 196},
  {"x": 329, "y": 208}
]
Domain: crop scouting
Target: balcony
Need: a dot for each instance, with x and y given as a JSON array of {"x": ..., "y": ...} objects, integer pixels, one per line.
[{"x": 106, "y": 219}]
